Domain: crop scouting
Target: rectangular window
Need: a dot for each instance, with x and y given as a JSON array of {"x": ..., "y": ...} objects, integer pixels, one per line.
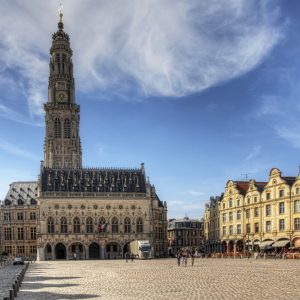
[
  {"x": 223, "y": 205},
  {"x": 248, "y": 200},
  {"x": 256, "y": 227},
  {"x": 21, "y": 249},
  {"x": 224, "y": 217},
  {"x": 268, "y": 210},
  {"x": 7, "y": 216},
  {"x": 281, "y": 193},
  {"x": 238, "y": 229},
  {"x": 33, "y": 233},
  {"x": 238, "y": 203},
  {"x": 32, "y": 216},
  {"x": 297, "y": 206},
  {"x": 20, "y": 216},
  {"x": 32, "y": 249},
  {"x": 255, "y": 199},
  {"x": 268, "y": 226},
  {"x": 20, "y": 233},
  {"x": 7, "y": 249},
  {"x": 297, "y": 223},
  {"x": 7, "y": 234},
  {"x": 231, "y": 216},
  {"x": 281, "y": 207},
  {"x": 281, "y": 225},
  {"x": 268, "y": 196},
  {"x": 160, "y": 233},
  {"x": 238, "y": 215},
  {"x": 297, "y": 191},
  {"x": 224, "y": 230},
  {"x": 248, "y": 213},
  {"x": 256, "y": 212},
  {"x": 230, "y": 203},
  {"x": 247, "y": 228},
  {"x": 231, "y": 230}
]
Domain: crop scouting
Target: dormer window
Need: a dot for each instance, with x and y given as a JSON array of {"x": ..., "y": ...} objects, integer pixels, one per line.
[
  {"x": 230, "y": 202},
  {"x": 7, "y": 202},
  {"x": 268, "y": 196},
  {"x": 32, "y": 201},
  {"x": 20, "y": 202}
]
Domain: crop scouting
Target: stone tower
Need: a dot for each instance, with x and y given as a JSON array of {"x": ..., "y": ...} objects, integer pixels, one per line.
[{"x": 62, "y": 148}]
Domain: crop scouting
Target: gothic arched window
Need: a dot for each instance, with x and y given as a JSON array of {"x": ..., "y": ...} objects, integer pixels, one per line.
[
  {"x": 89, "y": 225},
  {"x": 67, "y": 129},
  {"x": 139, "y": 225},
  {"x": 127, "y": 225},
  {"x": 57, "y": 128},
  {"x": 63, "y": 225},
  {"x": 114, "y": 225},
  {"x": 76, "y": 225},
  {"x": 50, "y": 224}
]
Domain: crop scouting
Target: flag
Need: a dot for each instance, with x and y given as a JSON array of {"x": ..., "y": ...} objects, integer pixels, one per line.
[{"x": 102, "y": 227}]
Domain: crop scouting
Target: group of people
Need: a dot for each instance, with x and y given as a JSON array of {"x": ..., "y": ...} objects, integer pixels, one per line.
[
  {"x": 129, "y": 256},
  {"x": 183, "y": 255}
]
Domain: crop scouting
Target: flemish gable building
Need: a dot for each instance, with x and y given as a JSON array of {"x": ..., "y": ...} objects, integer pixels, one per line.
[{"x": 82, "y": 212}]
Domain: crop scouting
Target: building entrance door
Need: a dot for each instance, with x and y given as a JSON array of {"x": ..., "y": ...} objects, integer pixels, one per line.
[
  {"x": 94, "y": 251},
  {"x": 60, "y": 251}
]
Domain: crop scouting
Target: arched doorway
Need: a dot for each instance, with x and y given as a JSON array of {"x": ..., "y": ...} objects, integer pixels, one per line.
[
  {"x": 113, "y": 250},
  {"x": 48, "y": 251},
  {"x": 126, "y": 248},
  {"x": 230, "y": 246},
  {"x": 77, "y": 251},
  {"x": 60, "y": 251},
  {"x": 239, "y": 246},
  {"x": 94, "y": 251},
  {"x": 224, "y": 247}
]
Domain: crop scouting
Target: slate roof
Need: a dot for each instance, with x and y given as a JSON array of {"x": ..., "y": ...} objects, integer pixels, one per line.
[{"x": 22, "y": 193}]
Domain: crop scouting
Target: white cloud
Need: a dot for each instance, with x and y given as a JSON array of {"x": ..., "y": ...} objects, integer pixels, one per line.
[{"x": 150, "y": 47}]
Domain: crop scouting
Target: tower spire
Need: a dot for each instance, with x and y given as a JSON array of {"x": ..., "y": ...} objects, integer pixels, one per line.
[{"x": 60, "y": 17}]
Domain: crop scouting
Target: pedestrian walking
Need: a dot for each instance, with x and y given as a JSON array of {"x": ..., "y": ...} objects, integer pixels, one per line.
[
  {"x": 126, "y": 256},
  {"x": 132, "y": 257},
  {"x": 178, "y": 257},
  {"x": 192, "y": 258}
]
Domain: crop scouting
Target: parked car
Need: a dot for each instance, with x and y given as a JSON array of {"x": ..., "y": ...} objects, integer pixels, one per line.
[{"x": 18, "y": 260}]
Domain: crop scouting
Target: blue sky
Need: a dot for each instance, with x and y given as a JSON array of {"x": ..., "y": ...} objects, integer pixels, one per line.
[{"x": 200, "y": 91}]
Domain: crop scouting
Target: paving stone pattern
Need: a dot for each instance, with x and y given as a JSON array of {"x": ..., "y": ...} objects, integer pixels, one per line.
[
  {"x": 8, "y": 275},
  {"x": 162, "y": 279}
]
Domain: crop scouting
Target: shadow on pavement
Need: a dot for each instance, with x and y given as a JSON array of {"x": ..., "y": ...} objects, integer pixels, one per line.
[{"x": 54, "y": 296}]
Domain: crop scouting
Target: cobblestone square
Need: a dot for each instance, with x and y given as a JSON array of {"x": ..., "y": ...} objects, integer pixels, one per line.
[{"x": 162, "y": 279}]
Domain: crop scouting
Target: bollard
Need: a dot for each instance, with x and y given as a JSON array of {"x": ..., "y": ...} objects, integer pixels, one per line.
[
  {"x": 11, "y": 295},
  {"x": 14, "y": 290},
  {"x": 17, "y": 285}
]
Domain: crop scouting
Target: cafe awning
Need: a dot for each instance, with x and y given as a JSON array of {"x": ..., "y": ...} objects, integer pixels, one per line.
[
  {"x": 281, "y": 243},
  {"x": 265, "y": 244}
]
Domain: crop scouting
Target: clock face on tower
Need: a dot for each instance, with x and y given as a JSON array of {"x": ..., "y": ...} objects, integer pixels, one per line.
[{"x": 61, "y": 96}]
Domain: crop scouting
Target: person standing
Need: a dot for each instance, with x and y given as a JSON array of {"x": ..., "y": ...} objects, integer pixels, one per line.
[
  {"x": 178, "y": 258},
  {"x": 192, "y": 258}
]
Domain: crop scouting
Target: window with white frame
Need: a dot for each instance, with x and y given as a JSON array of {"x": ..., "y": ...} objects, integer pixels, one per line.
[
  {"x": 224, "y": 230},
  {"x": 231, "y": 216},
  {"x": 281, "y": 225},
  {"x": 297, "y": 223},
  {"x": 238, "y": 229},
  {"x": 281, "y": 207},
  {"x": 281, "y": 193},
  {"x": 238, "y": 215},
  {"x": 231, "y": 230},
  {"x": 224, "y": 217},
  {"x": 256, "y": 212},
  {"x": 268, "y": 226},
  {"x": 268, "y": 210},
  {"x": 297, "y": 206}
]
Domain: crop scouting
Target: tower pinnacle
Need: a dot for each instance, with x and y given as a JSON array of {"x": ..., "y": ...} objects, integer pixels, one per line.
[{"x": 60, "y": 16}]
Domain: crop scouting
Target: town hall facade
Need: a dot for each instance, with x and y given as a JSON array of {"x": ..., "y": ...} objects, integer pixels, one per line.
[{"x": 72, "y": 211}]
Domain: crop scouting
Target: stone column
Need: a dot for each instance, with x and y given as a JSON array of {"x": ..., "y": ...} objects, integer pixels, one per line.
[
  {"x": 227, "y": 246},
  {"x": 102, "y": 252},
  {"x": 52, "y": 252},
  {"x": 87, "y": 255},
  {"x": 234, "y": 247}
]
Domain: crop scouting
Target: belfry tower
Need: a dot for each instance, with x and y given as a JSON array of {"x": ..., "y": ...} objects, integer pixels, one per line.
[{"x": 62, "y": 147}]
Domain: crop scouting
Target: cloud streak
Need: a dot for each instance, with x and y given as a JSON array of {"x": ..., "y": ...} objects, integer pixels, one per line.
[
  {"x": 138, "y": 48},
  {"x": 15, "y": 150}
]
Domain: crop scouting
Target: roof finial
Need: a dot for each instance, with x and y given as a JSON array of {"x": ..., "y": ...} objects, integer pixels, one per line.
[{"x": 60, "y": 15}]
